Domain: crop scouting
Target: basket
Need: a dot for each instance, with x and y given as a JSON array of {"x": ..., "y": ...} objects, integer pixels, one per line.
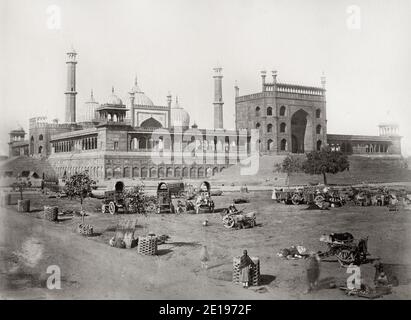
[
  {"x": 254, "y": 271},
  {"x": 147, "y": 246},
  {"x": 85, "y": 229},
  {"x": 50, "y": 213}
]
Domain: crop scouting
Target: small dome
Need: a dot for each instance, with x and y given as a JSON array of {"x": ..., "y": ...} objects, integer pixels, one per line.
[
  {"x": 113, "y": 99},
  {"x": 179, "y": 117},
  {"x": 140, "y": 99}
]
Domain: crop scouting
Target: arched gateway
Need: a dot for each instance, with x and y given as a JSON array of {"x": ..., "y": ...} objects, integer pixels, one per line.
[{"x": 301, "y": 132}]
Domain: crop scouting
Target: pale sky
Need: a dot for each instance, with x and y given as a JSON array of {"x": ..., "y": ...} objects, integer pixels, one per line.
[{"x": 173, "y": 45}]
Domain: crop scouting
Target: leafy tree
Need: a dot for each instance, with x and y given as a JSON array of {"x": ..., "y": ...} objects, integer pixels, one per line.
[
  {"x": 135, "y": 199},
  {"x": 290, "y": 165},
  {"x": 79, "y": 186},
  {"x": 20, "y": 185},
  {"x": 325, "y": 161}
]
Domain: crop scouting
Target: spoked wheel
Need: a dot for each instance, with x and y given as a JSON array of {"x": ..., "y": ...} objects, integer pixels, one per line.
[
  {"x": 295, "y": 199},
  {"x": 345, "y": 257},
  {"x": 104, "y": 208},
  {"x": 319, "y": 201},
  {"x": 112, "y": 208},
  {"x": 228, "y": 222}
]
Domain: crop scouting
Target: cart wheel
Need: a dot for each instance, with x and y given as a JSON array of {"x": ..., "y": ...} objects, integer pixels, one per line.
[
  {"x": 295, "y": 199},
  {"x": 319, "y": 201},
  {"x": 112, "y": 208},
  {"x": 228, "y": 222},
  {"x": 103, "y": 208},
  {"x": 345, "y": 257},
  {"x": 58, "y": 195}
]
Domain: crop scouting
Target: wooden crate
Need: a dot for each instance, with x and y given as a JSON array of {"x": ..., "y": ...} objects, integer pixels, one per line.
[
  {"x": 254, "y": 271},
  {"x": 147, "y": 246}
]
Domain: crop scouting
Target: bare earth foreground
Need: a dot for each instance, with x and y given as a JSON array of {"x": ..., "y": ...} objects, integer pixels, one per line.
[{"x": 91, "y": 269}]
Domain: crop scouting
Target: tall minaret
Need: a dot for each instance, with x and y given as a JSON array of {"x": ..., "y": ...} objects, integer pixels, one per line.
[
  {"x": 132, "y": 92},
  {"x": 169, "y": 100},
  {"x": 71, "y": 87},
  {"x": 218, "y": 98}
]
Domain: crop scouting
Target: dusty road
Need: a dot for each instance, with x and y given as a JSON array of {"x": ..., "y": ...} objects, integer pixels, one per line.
[{"x": 91, "y": 269}]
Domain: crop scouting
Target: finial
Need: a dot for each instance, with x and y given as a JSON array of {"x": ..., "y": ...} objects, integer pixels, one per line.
[
  {"x": 92, "y": 94},
  {"x": 323, "y": 79},
  {"x": 236, "y": 84},
  {"x": 135, "y": 80},
  {"x": 112, "y": 89},
  {"x": 72, "y": 51}
]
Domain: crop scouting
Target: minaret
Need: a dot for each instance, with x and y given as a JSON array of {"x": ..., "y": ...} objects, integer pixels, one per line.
[
  {"x": 169, "y": 100},
  {"x": 132, "y": 97},
  {"x": 274, "y": 73},
  {"x": 323, "y": 80},
  {"x": 263, "y": 75},
  {"x": 218, "y": 99},
  {"x": 71, "y": 87},
  {"x": 236, "y": 89}
]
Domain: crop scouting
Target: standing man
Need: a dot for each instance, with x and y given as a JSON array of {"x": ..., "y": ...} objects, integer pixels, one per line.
[{"x": 245, "y": 264}]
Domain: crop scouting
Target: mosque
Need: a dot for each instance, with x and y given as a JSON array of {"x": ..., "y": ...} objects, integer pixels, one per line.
[{"x": 139, "y": 139}]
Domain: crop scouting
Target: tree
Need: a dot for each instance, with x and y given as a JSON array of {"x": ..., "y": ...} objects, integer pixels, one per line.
[
  {"x": 20, "y": 185},
  {"x": 325, "y": 161},
  {"x": 79, "y": 186},
  {"x": 134, "y": 199},
  {"x": 290, "y": 165}
]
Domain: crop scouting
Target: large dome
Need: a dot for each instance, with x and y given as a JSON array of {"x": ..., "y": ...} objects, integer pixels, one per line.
[
  {"x": 179, "y": 117},
  {"x": 113, "y": 99},
  {"x": 140, "y": 99}
]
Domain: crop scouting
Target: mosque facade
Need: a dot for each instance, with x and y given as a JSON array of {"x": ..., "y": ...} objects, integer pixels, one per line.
[{"x": 139, "y": 139}]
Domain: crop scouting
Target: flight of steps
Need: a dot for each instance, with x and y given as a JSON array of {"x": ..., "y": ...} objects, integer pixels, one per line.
[
  {"x": 362, "y": 170},
  {"x": 24, "y": 163},
  {"x": 265, "y": 174}
]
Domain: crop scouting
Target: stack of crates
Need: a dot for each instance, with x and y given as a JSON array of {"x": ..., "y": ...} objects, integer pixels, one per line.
[
  {"x": 147, "y": 245},
  {"x": 254, "y": 271}
]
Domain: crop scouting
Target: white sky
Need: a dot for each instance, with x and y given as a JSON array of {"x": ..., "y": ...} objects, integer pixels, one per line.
[{"x": 172, "y": 45}]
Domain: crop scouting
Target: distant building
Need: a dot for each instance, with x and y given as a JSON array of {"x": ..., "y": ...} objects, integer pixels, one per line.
[
  {"x": 293, "y": 119},
  {"x": 145, "y": 140}
]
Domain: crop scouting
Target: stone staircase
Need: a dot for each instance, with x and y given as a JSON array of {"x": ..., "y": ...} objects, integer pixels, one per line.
[
  {"x": 16, "y": 165},
  {"x": 265, "y": 174},
  {"x": 363, "y": 169}
]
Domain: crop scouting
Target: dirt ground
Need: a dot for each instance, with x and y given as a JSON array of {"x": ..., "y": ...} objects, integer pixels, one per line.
[{"x": 91, "y": 269}]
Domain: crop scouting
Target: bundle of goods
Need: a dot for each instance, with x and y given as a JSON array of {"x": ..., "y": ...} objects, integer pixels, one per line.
[{"x": 294, "y": 252}]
